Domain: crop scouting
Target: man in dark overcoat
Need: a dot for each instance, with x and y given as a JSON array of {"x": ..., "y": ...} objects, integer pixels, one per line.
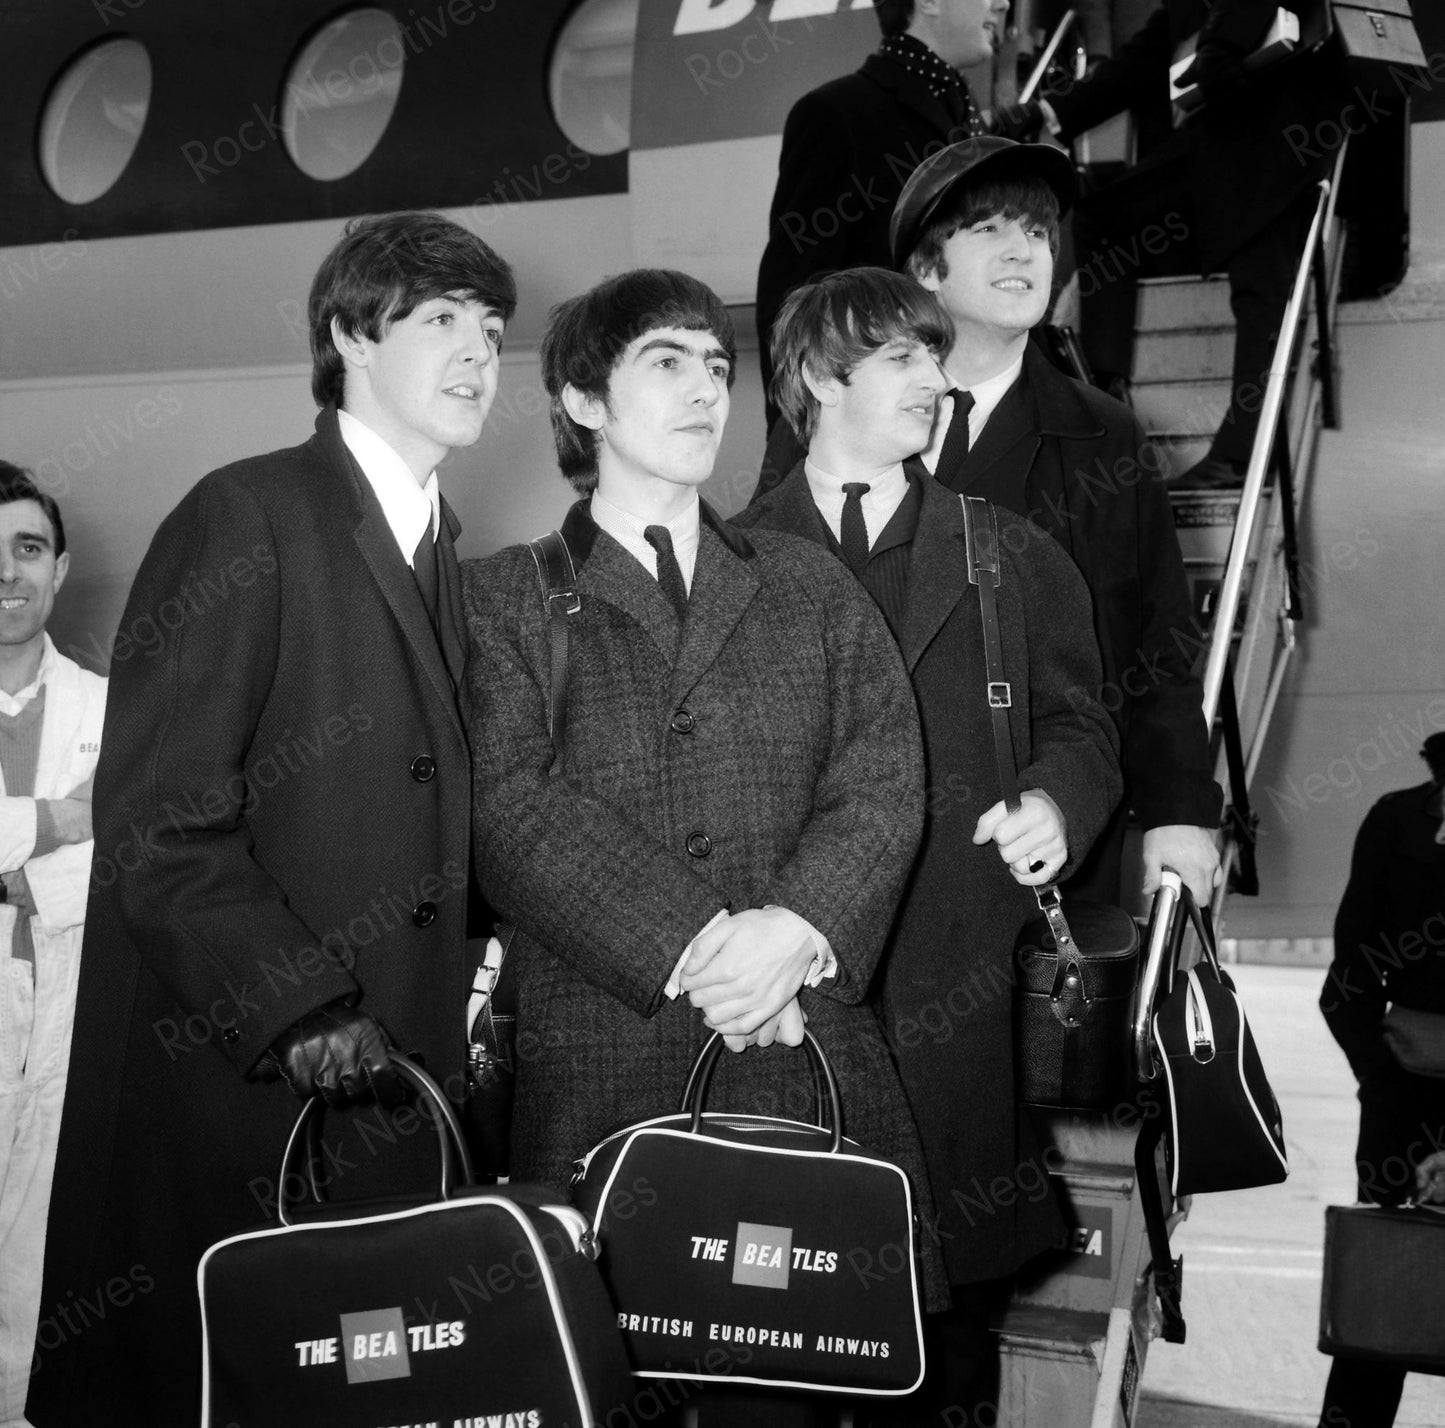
[
  {"x": 857, "y": 371},
  {"x": 1231, "y": 189},
  {"x": 1076, "y": 463},
  {"x": 282, "y": 828},
  {"x": 741, "y": 790},
  {"x": 849, "y": 145},
  {"x": 1387, "y": 981}
]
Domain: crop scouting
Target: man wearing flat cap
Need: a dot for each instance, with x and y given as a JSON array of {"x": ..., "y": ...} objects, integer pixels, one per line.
[
  {"x": 978, "y": 224},
  {"x": 1384, "y": 1001},
  {"x": 849, "y": 144}
]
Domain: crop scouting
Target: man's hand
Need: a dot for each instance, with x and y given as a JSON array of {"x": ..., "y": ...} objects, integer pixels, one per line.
[
  {"x": 1189, "y": 851},
  {"x": 1430, "y": 1178},
  {"x": 71, "y": 817},
  {"x": 335, "y": 1052},
  {"x": 1033, "y": 835},
  {"x": 745, "y": 970},
  {"x": 786, "y": 1027}
]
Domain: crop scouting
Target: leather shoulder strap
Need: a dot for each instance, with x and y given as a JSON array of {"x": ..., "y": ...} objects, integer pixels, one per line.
[
  {"x": 558, "y": 578},
  {"x": 980, "y": 530}
]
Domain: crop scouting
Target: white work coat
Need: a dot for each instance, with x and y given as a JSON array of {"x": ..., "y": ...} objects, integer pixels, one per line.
[{"x": 36, "y": 1014}]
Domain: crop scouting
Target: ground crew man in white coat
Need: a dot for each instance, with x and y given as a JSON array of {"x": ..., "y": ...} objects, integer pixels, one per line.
[{"x": 51, "y": 711}]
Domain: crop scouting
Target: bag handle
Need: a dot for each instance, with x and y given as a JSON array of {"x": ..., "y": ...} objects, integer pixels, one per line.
[
  {"x": 456, "y": 1162},
  {"x": 700, "y": 1078},
  {"x": 558, "y": 578},
  {"x": 1069, "y": 998}
]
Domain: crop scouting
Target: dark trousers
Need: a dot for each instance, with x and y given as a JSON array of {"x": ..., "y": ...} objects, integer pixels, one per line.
[
  {"x": 1402, "y": 1120},
  {"x": 1144, "y": 225}
]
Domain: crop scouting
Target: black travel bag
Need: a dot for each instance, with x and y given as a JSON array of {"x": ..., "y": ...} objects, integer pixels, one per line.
[
  {"x": 756, "y": 1250},
  {"x": 482, "y": 1305}
]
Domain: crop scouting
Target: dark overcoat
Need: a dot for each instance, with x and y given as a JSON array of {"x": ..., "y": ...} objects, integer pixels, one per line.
[
  {"x": 281, "y": 819},
  {"x": 848, "y": 149},
  {"x": 771, "y": 759},
  {"x": 1390, "y": 927},
  {"x": 948, "y": 970},
  {"x": 1091, "y": 478},
  {"x": 1251, "y": 152}
]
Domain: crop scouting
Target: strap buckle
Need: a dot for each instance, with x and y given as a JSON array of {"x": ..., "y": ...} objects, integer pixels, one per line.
[
  {"x": 1000, "y": 694},
  {"x": 570, "y": 595}
]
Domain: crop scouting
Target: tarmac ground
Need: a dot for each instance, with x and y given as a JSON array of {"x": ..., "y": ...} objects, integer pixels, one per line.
[{"x": 1252, "y": 1258}]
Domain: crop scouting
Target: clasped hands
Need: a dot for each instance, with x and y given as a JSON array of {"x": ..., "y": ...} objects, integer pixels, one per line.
[{"x": 744, "y": 974}]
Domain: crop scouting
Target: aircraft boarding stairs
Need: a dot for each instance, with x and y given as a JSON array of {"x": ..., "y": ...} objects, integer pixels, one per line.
[{"x": 1075, "y": 1337}]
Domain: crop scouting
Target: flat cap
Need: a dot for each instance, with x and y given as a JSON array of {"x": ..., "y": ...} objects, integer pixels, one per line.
[{"x": 971, "y": 161}]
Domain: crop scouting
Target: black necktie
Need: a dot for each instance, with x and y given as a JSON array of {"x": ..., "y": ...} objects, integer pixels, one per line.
[
  {"x": 425, "y": 571},
  {"x": 669, "y": 573},
  {"x": 954, "y": 451},
  {"x": 854, "y": 537}
]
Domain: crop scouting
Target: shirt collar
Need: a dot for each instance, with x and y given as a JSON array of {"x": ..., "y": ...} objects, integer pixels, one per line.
[
  {"x": 409, "y": 508},
  {"x": 884, "y": 495},
  {"x": 627, "y": 530},
  {"x": 12, "y": 704}
]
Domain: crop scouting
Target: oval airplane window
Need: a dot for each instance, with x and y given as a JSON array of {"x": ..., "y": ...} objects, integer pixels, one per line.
[
  {"x": 590, "y": 83},
  {"x": 341, "y": 91},
  {"x": 93, "y": 119}
]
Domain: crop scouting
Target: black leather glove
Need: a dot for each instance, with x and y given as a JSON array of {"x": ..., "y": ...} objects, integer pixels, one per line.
[
  {"x": 1217, "y": 69},
  {"x": 338, "y": 1053},
  {"x": 1019, "y": 122}
]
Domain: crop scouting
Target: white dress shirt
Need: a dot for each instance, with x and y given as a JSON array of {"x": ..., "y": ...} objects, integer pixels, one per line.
[
  {"x": 986, "y": 396},
  {"x": 627, "y": 530},
  {"x": 883, "y": 497},
  {"x": 408, "y": 507}
]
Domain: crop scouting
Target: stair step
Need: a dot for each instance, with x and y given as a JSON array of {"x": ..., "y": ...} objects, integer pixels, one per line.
[
  {"x": 1187, "y": 355},
  {"x": 1171, "y": 303},
  {"x": 1180, "y": 408}
]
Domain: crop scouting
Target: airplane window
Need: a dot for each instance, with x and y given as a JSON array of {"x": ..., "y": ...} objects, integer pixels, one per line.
[
  {"x": 93, "y": 119},
  {"x": 591, "y": 76},
  {"x": 340, "y": 93}
]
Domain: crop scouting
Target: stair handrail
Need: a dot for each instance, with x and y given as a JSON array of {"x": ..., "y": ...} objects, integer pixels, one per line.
[
  {"x": 1227, "y": 607},
  {"x": 1036, "y": 75}
]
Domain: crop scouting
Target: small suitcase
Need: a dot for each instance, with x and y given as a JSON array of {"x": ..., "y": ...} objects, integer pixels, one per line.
[
  {"x": 755, "y": 1250},
  {"x": 1383, "y": 1296},
  {"x": 480, "y": 1306}
]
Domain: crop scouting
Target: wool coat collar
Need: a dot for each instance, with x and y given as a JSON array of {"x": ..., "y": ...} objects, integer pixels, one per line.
[
  {"x": 723, "y": 586},
  {"x": 938, "y": 564},
  {"x": 441, "y": 653}
]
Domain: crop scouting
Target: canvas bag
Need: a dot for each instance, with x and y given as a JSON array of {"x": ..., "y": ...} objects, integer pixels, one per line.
[
  {"x": 757, "y": 1250},
  {"x": 480, "y": 1305}
]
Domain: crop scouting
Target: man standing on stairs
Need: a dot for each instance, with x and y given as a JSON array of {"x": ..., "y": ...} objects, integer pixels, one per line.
[
  {"x": 849, "y": 145},
  {"x": 1234, "y": 187},
  {"x": 978, "y": 224}
]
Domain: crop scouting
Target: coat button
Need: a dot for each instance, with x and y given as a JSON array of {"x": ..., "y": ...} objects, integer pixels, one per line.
[
  {"x": 424, "y": 914},
  {"x": 683, "y": 722},
  {"x": 230, "y": 1036},
  {"x": 423, "y": 768},
  {"x": 699, "y": 845}
]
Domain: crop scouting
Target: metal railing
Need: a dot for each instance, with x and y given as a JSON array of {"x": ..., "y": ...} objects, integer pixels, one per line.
[{"x": 1270, "y": 442}]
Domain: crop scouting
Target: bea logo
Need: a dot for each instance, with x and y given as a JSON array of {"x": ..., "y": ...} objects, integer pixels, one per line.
[
  {"x": 762, "y": 1254},
  {"x": 375, "y": 1344}
]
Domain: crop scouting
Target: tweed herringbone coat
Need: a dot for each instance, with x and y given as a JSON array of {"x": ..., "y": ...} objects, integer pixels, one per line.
[{"x": 772, "y": 757}]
